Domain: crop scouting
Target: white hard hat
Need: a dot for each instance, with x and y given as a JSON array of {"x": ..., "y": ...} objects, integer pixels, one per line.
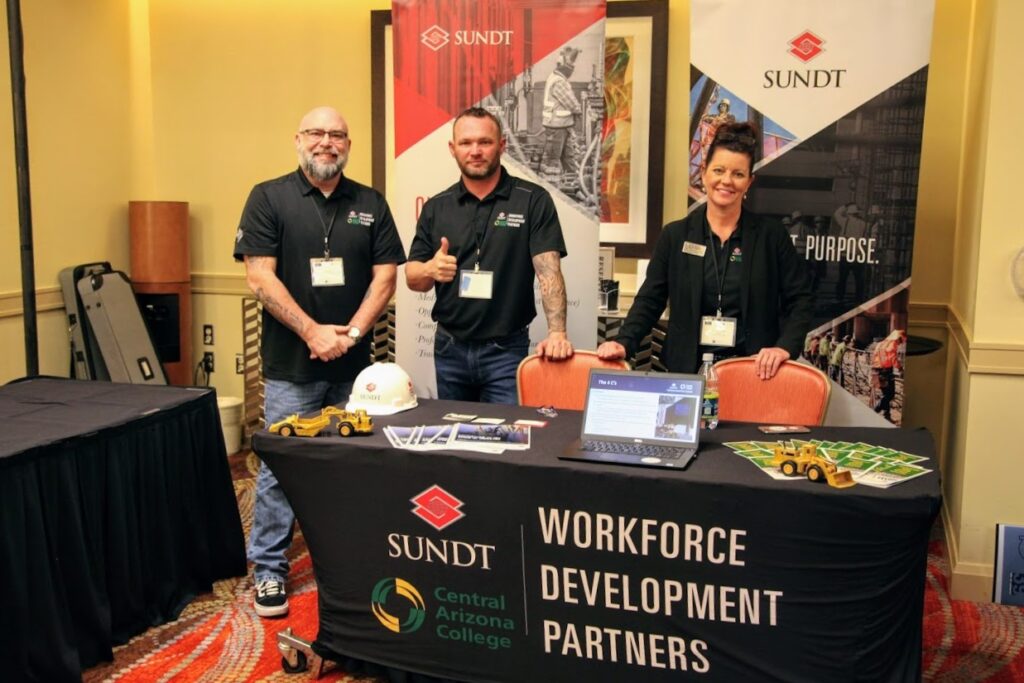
[{"x": 382, "y": 389}]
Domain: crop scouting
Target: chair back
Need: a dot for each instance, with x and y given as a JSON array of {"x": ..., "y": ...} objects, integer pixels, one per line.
[
  {"x": 559, "y": 383},
  {"x": 797, "y": 395}
]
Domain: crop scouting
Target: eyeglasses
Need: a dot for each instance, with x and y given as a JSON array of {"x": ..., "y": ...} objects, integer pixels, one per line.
[{"x": 319, "y": 133}]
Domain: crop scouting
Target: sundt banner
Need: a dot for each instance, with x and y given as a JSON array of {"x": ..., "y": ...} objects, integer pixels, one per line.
[
  {"x": 509, "y": 58},
  {"x": 837, "y": 91}
]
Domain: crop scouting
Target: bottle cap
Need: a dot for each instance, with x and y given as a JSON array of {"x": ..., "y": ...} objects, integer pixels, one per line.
[{"x": 708, "y": 356}]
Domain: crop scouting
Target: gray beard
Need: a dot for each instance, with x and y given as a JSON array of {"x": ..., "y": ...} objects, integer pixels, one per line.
[{"x": 324, "y": 172}]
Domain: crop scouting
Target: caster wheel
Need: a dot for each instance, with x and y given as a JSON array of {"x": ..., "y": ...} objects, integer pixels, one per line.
[{"x": 300, "y": 663}]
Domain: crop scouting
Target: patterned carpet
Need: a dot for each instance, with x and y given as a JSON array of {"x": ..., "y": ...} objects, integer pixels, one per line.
[{"x": 220, "y": 639}]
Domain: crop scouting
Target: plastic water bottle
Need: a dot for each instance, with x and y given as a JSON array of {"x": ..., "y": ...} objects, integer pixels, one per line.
[{"x": 709, "y": 407}]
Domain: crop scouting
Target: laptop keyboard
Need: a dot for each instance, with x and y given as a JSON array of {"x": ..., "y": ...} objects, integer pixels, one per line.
[{"x": 639, "y": 449}]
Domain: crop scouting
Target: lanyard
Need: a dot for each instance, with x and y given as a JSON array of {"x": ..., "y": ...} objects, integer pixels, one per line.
[
  {"x": 328, "y": 227},
  {"x": 719, "y": 279},
  {"x": 481, "y": 231}
]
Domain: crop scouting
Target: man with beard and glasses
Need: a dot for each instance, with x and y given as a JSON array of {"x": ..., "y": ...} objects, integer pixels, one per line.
[
  {"x": 321, "y": 254},
  {"x": 479, "y": 245}
]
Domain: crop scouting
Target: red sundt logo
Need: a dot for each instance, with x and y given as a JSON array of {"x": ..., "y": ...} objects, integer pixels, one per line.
[
  {"x": 437, "y": 507},
  {"x": 434, "y": 37},
  {"x": 806, "y": 46},
  {"x": 371, "y": 387}
]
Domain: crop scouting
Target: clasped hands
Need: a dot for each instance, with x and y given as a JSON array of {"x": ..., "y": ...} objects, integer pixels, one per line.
[{"x": 328, "y": 342}]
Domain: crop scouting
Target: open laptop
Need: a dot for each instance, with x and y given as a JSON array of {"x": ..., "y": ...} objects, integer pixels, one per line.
[{"x": 648, "y": 419}]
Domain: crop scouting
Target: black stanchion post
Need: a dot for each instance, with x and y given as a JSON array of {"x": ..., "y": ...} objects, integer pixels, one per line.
[{"x": 28, "y": 274}]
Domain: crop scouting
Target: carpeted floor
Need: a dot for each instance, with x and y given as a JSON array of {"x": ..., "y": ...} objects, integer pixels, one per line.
[{"x": 220, "y": 638}]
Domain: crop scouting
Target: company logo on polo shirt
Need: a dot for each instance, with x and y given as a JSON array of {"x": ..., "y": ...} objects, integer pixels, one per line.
[
  {"x": 509, "y": 220},
  {"x": 806, "y": 46},
  {"x": 436, "y": 37},
  {"x": 437, "y": 507},
  {"x": 359, "y": 218},
  {"x": 415, "y": 611},
  {"x": 737, "y": 255}
]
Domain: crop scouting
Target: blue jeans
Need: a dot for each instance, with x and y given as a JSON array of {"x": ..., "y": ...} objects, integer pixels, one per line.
[
  {"x": 479, "y": 371},
  {"x": 273, "y": 520}
]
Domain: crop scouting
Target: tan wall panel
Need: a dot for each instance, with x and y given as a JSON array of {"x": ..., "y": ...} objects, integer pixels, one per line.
[
  {"x": 231, "y": 80},
  {"x": 224, "y": 312},
  {"x": 999, "y": 314},
  {"x": 940, "y": 154},
  {"x": 973, "y": 169}
]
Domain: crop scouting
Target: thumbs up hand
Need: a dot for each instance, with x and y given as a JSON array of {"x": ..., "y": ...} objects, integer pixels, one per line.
[{"x": 443, "y": 266}]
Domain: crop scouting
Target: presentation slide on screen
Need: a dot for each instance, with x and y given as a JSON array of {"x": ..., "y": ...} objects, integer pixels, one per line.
[{"x": 643, "y": 408}]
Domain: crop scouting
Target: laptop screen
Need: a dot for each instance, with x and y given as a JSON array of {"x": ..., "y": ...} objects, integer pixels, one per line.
[{"x": 643, "y": 407}]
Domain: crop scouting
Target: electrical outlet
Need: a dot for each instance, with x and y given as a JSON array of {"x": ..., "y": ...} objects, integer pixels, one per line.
[
  {"x": 207, "y": 335},
  {"x": 239, "y": 364},
  {"x": 208, "y": 361}
]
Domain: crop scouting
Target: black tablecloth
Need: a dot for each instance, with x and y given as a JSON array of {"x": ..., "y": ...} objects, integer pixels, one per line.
[
  {"x": 116, "y": 509},
  {"x": 545, "y": 574}
]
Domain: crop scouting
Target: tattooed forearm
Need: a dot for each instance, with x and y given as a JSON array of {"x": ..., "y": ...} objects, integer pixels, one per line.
[
  {"x": 552, "y": 289},
  {"x": 287, "y": 318},
  {"x": 261, "y": 276}
]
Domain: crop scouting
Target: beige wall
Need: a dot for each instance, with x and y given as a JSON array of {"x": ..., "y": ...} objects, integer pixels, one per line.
[{"x": 987, "y": 316}]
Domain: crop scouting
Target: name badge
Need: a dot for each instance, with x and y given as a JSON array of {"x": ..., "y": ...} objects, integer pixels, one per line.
[
  {"x": 476, "y": 284},
  {"x": 717, "y": 331},
  {"x": 694, "y": 249},
  {"x": 327, "y": 272}
]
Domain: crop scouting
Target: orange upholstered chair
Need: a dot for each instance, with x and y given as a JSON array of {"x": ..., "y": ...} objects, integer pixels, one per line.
[
  {"x": 559, "y": 383},
  {"x": 797, "y": 395}
]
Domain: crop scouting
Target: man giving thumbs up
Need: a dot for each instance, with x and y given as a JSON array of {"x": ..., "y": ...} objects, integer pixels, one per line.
[{"x": 479, "y": 244}]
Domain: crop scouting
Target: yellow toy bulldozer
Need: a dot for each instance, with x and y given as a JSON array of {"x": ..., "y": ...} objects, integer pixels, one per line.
[
  {"x": 806, "y": 461},
  {"x": 349, "y": 423}
]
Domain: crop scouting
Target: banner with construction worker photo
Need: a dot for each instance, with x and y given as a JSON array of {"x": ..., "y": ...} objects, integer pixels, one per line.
[
  {"x": 537, "y": 67},
  {"x": 836, "y": 91}
]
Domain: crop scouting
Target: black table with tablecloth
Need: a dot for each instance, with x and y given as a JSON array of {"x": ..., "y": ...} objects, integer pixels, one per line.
[
  {"x": 116, "y": 509},
  {"x": 523, "y": 567}
]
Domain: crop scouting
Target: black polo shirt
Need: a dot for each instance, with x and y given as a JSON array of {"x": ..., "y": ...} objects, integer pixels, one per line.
[
  {"x": 723, "y": 266},
  {"x": 512, "y": 224},
  {"x": 287, "y": 218}
]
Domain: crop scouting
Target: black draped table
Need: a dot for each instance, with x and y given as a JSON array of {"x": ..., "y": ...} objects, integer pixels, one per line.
[
  {"x": 116, "y": 509},
  {"x": 523, "y": 567}
]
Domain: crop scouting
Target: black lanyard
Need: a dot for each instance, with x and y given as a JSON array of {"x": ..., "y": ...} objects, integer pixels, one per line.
[
  {"x": 328, "y": 227},
  {"x": 719, "y": 279},
  {"x": 481, "y": 231}
]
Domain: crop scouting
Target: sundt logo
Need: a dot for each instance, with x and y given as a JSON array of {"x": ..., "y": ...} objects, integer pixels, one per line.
[
  {"x": 437, "y": 507},
  {"x": 417, "y": 610},
  {"x": 434, "y": 37},
  {"x": 806, "y": 46}
]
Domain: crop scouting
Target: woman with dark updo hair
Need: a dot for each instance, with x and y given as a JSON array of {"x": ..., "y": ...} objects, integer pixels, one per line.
[{"x": 732, "y": 279}]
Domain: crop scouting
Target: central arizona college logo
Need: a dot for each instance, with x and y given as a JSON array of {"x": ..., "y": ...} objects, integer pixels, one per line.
[
  {"x": 437, "y": 507},
  {"x": 806, "y": 46},
  {"x": 434, "y": 37},
  {"x": 402, "y": 588}
]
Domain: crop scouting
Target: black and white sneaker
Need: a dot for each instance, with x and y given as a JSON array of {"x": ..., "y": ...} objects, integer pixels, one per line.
[{"x": 271, "y": 599}]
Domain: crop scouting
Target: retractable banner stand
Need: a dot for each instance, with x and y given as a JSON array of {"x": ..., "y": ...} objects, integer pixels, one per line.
[
  {"x": 507, "y": 57},
  {"x": 837, "y": 91}
]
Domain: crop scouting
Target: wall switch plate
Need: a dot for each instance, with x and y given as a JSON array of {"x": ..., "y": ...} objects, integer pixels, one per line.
[{"x": 239, "y": 364}]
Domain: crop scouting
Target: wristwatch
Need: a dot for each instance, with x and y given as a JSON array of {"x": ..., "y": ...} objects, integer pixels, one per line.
[{"x": 355, "y": 333}]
